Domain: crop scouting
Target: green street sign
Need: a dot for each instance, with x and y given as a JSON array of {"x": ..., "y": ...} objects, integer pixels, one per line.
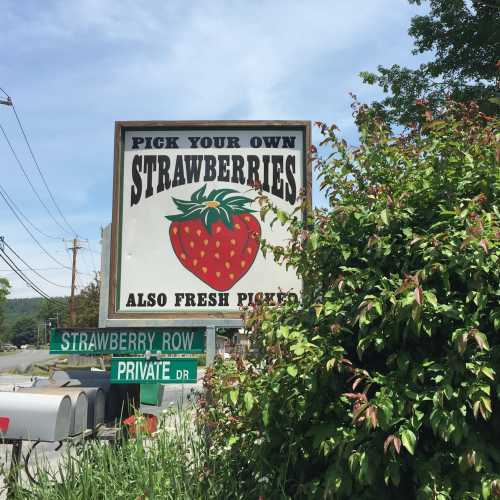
[
  {"x": 127, "y": 341},
  {"x": 162, "y": 371}
]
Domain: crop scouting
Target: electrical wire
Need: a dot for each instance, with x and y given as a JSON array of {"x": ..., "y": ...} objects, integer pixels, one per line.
[
  {"x": 91, "y": 252},
  {"x": 84, "y": 256},
  {"x": 43, "y": 233},
  {"x": 29, "y": 232},
  {"x": 21, "y": 275},
  {"x": 23, "y": 170},
  {"x": 40, "y": 171},
  {"x": 31, "y": 269},
  {"x": 37, "y": 268},
  {"x": 28, "y": 282}
]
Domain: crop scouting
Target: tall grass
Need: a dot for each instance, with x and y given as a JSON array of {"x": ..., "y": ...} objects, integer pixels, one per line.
[{"x": 176, "y": 463}]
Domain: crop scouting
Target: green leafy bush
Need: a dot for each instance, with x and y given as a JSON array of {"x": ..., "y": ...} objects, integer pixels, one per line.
[{"x": 382, "y": 383}]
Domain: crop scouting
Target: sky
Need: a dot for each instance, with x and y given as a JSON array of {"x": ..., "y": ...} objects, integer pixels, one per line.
[{"x": 74, "y": 67}]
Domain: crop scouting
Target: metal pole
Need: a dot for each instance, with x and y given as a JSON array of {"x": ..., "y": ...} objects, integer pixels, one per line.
[{"x": 210, "y": 339}]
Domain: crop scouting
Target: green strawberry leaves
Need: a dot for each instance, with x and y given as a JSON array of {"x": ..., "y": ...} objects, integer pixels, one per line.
[{"x": 212, "y": 207}]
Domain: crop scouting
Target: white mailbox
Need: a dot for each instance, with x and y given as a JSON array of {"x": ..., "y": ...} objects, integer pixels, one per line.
[
  {"x": 96, "y": 397},
  {"x": 33, "y": 417},
  {"x": 79, "y": 404},
  {"x": 97, "y": 405}
]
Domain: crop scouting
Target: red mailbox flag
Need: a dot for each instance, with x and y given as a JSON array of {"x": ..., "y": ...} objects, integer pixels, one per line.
[{"x": 4, "y": 424}]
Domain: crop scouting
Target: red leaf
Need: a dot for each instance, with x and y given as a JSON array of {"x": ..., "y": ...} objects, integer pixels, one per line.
[
  {"x": 371, "y": 412},
  {"x": 387, "y": 442},
  {"x": 419, "y": 295},
  {"x": 397, "y": 444},
  {"x": 356, "y": 383},
  {"x": 359, "y": 409},
  {"x": 484, "y": 245},
  {"x": 355, "y": 395}
]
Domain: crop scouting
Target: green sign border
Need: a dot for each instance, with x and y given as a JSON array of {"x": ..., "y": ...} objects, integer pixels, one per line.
[
  {"x": 175, "y": 364},
  {"x": 104, "y": 338}
]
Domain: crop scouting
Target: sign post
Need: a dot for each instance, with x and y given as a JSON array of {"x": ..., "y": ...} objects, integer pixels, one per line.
[{"x": 211, "y": 345}]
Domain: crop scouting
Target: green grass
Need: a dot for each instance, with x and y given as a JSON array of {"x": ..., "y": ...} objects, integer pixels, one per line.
[{"x": 177, "y": 463}]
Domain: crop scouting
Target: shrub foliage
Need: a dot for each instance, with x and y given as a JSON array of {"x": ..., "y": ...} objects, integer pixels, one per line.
[{"x": 382, "y": 382}]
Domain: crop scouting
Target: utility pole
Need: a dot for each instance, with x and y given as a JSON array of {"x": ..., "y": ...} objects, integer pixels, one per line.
[{"x": 72, "y": 306}]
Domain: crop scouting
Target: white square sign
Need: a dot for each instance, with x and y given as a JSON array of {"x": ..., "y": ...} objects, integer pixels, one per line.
[{"x": 186, "y": 224}]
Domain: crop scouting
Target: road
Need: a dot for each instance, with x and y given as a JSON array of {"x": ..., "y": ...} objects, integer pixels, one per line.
[{"x": 22, "y": 359}]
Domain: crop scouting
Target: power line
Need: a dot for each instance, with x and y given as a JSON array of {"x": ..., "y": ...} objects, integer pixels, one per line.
[
  {"x": 23, "y": 170},
  {"x": 31, "y": 269},
  {"x": 28, "y": 282},
  {"x": 91, "y": 255},
  {"x": 29, "y": 232},
  {"x": 40, "y": 170},
  {"x": 36, "y": 268},
  {"x": 28, "y": 220}
]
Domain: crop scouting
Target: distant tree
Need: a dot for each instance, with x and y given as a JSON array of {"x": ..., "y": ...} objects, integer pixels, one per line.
[
  {"x": 87, "y": 305},
  {"x": 4, "y": 291},
  {"x": 50, "y": 309},
  {"x": 462, "y": 36},
  {"x": 24, "y": 331}
]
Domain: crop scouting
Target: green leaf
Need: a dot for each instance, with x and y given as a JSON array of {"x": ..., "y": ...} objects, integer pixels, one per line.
[
  {"x": 489, "y": 372},
  {"x": 282, "y": 216},
  {"x": 384, "y": 215},
  {"x": 486, "y": 403},
  {"x": 330, "y": 363},
  {"x": 219, "y": 194},
  {"x": 265, "y": 415},
  {"x": 409, "y": 440},
  {"x": 197, "y": 196},
  {"x": 292, "y": 370},
  {"x": 298, "y": 349},
  {"x": 233, "y": 395},
  {"x": 431, "y": 298},
  {"x": 249, "y": 401},
  {"x": 314, "y": 239},
  {"x": 233, "y": 440}
]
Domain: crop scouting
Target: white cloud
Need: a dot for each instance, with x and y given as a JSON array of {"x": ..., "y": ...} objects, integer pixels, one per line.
[{"x": 75, "y": 67}]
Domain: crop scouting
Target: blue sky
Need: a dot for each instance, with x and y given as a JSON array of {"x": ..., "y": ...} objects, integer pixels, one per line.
[{"x": 74, "y": 67}]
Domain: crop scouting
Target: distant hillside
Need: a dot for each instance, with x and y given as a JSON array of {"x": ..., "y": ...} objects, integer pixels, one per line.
[
  {"x": 21, "y": 307},
  {"x": 16, "y": 308}
]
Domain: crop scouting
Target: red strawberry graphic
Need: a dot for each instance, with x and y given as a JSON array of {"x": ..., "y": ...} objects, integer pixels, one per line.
[{"x": 215, "y": 236}]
